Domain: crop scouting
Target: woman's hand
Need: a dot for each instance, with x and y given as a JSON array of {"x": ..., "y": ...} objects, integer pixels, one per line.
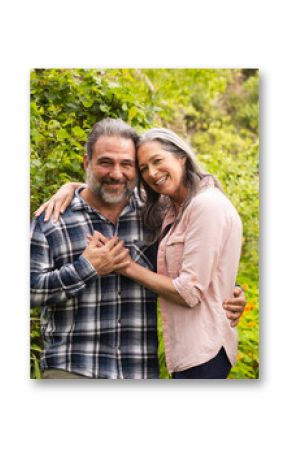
[
  {"x": 97, "y": 239},
  {"x": 58, "y": 203},
  {"x": 106, "y": 255},
  {"x": 127, "y": 264},
  {"x": 235, "y": 306}
]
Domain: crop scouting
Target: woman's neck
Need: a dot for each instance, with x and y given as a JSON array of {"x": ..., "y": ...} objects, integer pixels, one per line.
[{"x": 179, "y": 198}]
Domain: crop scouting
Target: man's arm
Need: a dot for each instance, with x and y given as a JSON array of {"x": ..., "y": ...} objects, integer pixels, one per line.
[{"x": 50, "y": 285}]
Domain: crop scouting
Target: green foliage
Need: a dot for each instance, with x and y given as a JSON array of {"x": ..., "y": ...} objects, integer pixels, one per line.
[
  {"x": 248, "y": 354},
  {"x": 65, "y": 104},
  {"x": 161, "y": 354},
  {"x": 216, "y": 110},
  {"x": 36, "y": 344}
]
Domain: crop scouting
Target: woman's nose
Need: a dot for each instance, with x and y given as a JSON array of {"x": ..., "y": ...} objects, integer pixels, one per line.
[{"x": 152, "y": 171}]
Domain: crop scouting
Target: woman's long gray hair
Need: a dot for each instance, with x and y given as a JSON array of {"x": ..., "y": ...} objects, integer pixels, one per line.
[{"x": 155, "y": 204}]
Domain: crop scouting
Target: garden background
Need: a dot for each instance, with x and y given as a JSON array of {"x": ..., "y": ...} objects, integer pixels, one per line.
[{"x": 216, "y": 110}]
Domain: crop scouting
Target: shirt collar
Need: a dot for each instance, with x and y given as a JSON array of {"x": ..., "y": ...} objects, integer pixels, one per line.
[{"x": 78, "y": 203}]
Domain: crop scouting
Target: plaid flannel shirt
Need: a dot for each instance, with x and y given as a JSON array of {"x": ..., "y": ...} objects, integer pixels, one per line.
[{"x": 96, "y": 326}]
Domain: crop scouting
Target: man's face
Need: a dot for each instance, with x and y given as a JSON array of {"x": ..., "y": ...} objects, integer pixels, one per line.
[{"x": 111, "y": 173}]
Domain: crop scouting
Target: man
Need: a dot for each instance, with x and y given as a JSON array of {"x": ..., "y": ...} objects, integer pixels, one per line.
[{"x": 96, "y": 323}]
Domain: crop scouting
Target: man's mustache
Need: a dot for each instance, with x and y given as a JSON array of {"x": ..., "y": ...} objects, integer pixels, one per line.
[{"x": 113, "y": 181}]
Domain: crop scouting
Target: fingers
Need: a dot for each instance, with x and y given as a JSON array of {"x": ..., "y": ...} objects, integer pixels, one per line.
[
  {"x": 65, "y": 204},
  {"x": 40, "y": 209},
  {"x": 239, "y": 295},
  {"x": 121, "y": 265},
  {"x": 103, "y": 239},
  {"x": 237, "y": 291},
  {"x": 118, "y": 251},
  {"x": 97, "y": 239},
  {"x": 49, "y": 210},
  {"x": 234, "y": 307},
  {"x": 239, "y": 302},
  {"x": 59, "y": 208},
  {"x": 233, "y": 315},
  {"x": 122, "y": 256},
  {"x": 114, "y": 244},
  {"x": 93, "y": 242},
  {"x": 234, "y": 323}
]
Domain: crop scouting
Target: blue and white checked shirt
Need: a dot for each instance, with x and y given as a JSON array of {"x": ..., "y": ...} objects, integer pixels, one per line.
[{"x": 96, "y": 326}]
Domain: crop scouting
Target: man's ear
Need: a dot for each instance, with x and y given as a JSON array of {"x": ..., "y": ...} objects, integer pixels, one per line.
[{"x": 86, "y": 161}]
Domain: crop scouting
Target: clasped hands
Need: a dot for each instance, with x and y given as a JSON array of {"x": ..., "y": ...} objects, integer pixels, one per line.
[{"x": 107, "y": 255}]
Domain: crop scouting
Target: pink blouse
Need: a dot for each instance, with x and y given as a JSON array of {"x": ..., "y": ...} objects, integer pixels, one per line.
[{"x": 201, "y": 254}]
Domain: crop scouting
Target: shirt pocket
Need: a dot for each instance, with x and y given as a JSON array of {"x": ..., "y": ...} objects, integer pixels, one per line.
[{"x": 174, "y": 250}]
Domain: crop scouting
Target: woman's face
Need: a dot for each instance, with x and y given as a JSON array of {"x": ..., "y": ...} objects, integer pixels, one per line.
[{"x": 162, "y": 170}]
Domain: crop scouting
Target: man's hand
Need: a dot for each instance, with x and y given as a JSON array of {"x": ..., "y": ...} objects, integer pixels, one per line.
[
  {"x": 235, "y": 306},
  {"x": 107, "y": 257},
  {"x": 98, "y": 239}
]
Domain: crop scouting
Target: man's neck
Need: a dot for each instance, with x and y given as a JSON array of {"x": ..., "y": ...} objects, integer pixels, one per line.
[{"x": 109, "y": 211}]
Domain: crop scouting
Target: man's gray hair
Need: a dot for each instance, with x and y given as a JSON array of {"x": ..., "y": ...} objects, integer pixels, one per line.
[{"x": 110, "y": 127}]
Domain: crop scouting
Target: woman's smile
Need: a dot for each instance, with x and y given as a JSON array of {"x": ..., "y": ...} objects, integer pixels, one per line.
[
  {"x": 161, "y": 181},
  {"x": 162, "y": 170}
]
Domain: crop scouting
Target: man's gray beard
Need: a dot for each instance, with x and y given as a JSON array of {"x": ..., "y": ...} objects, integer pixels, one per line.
[{"x": 100, "y": 191}]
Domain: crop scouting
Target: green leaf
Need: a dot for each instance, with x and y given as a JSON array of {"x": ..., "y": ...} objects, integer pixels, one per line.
[
  {"x": 79, "y": 132},
  {"x": 62, "y": 134},
  {"x": 87, "y": 102},
  {"x": 133, "y": 112}
]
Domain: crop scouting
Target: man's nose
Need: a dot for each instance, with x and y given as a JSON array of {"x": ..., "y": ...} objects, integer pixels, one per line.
[{"x": 117, "y": 172}]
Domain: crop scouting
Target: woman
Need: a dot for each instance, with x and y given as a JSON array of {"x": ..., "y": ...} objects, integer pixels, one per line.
[{"x": 200, "y": 236}]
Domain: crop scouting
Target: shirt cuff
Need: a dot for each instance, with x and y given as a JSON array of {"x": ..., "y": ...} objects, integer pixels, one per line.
[
  {"x": 84, "y": 269},
  {"x": 190, "y": 293}
]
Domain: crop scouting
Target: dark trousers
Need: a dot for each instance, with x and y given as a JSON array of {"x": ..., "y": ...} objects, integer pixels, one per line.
[{"x": 216, "y": 368}]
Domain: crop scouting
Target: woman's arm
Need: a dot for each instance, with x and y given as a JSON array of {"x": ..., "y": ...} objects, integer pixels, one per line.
[
  {"x": 162, "y": 285},
  {"x": 58, "y": 203}
]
